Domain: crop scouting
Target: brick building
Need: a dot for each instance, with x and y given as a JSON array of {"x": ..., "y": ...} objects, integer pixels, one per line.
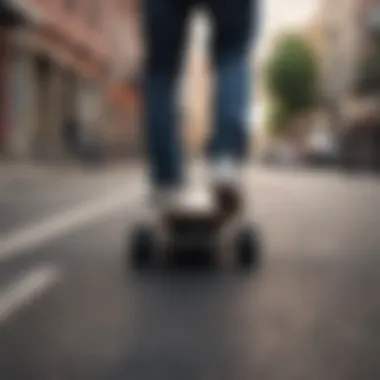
[
  {"x": 60, "y": 64},
  {"x": 126, "y": 56},
  {"x": 57, "y": 60}
]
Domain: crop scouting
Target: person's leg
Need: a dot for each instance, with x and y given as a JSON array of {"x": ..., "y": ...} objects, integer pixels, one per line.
[
  {"x": 234, "y": 22},
  {"x": 164, "y": 24}
]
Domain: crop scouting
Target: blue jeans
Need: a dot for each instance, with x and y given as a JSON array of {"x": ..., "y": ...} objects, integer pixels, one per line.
[{"x": 164, "y": 25}]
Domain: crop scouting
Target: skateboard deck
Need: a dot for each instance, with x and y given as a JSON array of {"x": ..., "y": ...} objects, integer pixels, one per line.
[
  {"x": 197, "y": 228},
  {"x": 199, "y": 214}
]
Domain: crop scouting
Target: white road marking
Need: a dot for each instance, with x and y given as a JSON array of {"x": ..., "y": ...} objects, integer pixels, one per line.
[
  {"x": 23, "y": 241},
  {"x": 26, "y": 289}
]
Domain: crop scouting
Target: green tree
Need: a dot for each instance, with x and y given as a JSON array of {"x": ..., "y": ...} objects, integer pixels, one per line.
[{"x": 292, "y": 78}]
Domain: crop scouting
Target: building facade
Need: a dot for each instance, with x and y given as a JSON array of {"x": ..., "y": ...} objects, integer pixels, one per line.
[
  {"x": 349, "y": 31},
  {"x": 9, "y": 19},
  {"x": 341, "y": 34},
  {"x": 57, "y": 59},
  {"x": 63, "y": 63},
  {"x": 124, "y": 87}
]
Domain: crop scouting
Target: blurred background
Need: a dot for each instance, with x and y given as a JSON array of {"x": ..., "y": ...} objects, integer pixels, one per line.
[
  {"x": 72, "y": 185},
  {"x": 70, "y": 82}
]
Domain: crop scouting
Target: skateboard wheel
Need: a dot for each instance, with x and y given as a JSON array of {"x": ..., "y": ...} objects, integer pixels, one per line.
[
  {"x": 143, "y": 243},
  {"x": 247, "y": 248}
]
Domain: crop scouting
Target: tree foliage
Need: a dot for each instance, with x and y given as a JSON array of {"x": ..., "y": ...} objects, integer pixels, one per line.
[{"x": 292, "y": 75}]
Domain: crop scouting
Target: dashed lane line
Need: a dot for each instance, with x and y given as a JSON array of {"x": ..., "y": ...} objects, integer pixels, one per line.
[
  {"x": 26, "y": 289},
  {"x": 23, "y": 241}
]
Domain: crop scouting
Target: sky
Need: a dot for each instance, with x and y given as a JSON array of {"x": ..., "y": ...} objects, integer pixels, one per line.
[{"x": 281, "y": 14}]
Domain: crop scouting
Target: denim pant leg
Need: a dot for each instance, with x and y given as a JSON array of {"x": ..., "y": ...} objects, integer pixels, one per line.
[
  {"x": 164, "y": 23},
  {"x": 233, "y": 22}
]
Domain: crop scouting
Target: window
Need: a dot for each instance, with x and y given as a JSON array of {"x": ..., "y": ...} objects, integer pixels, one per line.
[{"x": 69, "y": 5}]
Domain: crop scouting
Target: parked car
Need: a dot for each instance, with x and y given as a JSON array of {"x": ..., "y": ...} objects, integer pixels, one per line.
[
  {"x": 320, "y": 158},
  {"x": 322, "y": 149}
]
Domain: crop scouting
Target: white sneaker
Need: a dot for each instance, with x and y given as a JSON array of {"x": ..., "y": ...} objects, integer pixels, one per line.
[
  {"x": 226, "y": 180},
  {"x": 226, "y": 172}
]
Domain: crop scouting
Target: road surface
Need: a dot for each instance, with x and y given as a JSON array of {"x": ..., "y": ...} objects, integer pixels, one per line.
[{"x": 70, "y": 308}]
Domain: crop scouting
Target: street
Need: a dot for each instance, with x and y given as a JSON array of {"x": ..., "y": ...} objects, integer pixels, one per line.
[{"x": 71, "y": 308}]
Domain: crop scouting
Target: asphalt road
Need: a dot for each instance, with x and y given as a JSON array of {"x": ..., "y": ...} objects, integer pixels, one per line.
[{"x": 71, "y": 308}]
